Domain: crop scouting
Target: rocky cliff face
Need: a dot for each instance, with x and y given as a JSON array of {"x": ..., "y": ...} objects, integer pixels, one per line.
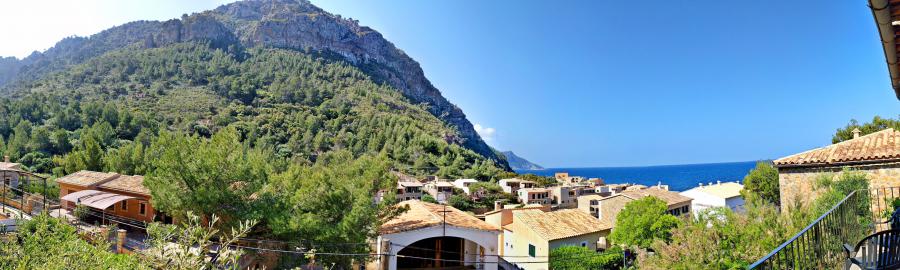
[
  {"x": 519, "y": 163},
  {"x": 287, "y": 24}
]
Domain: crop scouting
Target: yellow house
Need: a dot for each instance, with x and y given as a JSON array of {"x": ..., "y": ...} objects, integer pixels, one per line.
[
  {"x": 606, "y": 208},
  {"x": 530, "y": 234}
]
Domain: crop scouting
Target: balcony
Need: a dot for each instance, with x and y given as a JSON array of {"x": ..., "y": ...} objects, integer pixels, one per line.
[{"x": 820, "y": 245}]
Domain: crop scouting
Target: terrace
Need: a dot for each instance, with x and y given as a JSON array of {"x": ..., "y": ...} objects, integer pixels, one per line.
[{"x": 820, "y": 245}]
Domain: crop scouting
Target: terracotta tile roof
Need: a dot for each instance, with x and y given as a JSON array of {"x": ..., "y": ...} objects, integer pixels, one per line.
[
  {"x": 557, "y": 224},
  {"x": 422, "y": 215},
  {"x": 670, "y": 197},
  {"x": 86, "y": 178},
  {"x": 128, "y": 183},
  {"x": 876, "y": 147}
]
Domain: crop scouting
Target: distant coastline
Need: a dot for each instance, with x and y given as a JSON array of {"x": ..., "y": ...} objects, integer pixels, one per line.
[{"x": 679, "y": 177}]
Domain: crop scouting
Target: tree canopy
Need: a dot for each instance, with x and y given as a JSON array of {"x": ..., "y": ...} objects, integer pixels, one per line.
[
  {"x": 761, "y": 183},
  {"x": 643, "y": 221},
  {"x": 877, "y": 124},
  {"x": 577, "y": 258}
]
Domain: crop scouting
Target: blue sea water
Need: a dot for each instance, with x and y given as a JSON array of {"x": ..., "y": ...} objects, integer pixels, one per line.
[{"x": 678, "y": 177}]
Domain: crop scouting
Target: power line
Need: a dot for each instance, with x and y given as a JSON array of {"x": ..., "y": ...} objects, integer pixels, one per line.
[{"x": 327, "y": 253}]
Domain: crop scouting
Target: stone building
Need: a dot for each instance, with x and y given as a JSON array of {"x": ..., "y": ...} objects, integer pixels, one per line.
[{"x": 877, "y": 155}]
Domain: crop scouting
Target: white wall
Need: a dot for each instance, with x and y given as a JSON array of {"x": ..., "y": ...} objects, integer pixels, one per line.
[
  {"x": 487, "y": 239},
  {"x": 702, "y": 200}
]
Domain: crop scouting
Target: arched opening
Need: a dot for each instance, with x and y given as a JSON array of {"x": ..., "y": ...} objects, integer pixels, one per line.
[{"x": 440, "y": 253}]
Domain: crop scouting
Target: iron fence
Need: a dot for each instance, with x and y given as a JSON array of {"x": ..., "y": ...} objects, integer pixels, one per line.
[{"x": 819, "y": 245}]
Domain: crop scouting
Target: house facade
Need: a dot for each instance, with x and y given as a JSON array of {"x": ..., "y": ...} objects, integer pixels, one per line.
[
  {"x": 534, "y": 196},
  {"x": 720, "y": 194},
  {"x": 513, "y": 185},
  {"x": 464, "y": 184},
  {"x": 432, "y": 236},
  {"x": 606, "y": 208},
  {"x": 530, "y": 234},
  {"x": 113, "y": 194},
  {"x": 877, "y": 155},
  {"x": 11, "y": 173},
  {"x": 409, "y": 191},
  {"x": 439, "y": 190}
]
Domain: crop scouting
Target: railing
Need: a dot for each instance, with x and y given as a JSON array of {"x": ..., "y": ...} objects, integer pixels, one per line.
[{"x": 819, "y": 245}]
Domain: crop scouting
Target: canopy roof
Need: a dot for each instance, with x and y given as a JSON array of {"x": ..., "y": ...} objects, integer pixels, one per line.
[{"x": 95, "y": 198}]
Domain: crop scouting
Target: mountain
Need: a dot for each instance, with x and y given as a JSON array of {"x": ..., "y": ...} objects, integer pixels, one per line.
[
  {"x": 312, "y": 81},
  {"x": 519, "y": 163}
]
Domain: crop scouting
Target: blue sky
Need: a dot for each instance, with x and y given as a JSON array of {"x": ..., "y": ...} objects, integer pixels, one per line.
[{"x": 605, "y": 83}]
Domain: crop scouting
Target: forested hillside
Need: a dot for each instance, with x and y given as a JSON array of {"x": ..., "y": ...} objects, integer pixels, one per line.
[
  {"x": 300, "y": 105},
  {"x": 237, "y": 39}
]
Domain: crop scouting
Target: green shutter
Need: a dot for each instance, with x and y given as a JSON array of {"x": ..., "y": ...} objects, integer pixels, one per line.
[{"x": 531, "y": 250}]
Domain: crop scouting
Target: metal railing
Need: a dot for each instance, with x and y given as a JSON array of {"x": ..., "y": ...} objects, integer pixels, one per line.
[{"x": 819, "y": 245}]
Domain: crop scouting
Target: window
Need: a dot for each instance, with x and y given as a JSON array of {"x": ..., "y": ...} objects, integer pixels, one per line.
[
  {"x": 584, "y": 244},
  {"x": 143, "y": 209},
  {"x": 124, "y": 205},
  {"x": 531, "y": 250},
  {"x": 684, "y": 209}
]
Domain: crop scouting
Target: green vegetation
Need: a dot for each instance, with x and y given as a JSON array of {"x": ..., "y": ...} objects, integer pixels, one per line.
[
  {"x": 46, "y": 242},
  {"x": 762, "y": 184},
  {"x": 49, "y": 243},
  {"x": 292, "y": 104},
  {"x": 577, "y": 258},
  {"x": 721, "y": 239},
  {"x": 877, "y": 124},
  {"x": 299, "y": 141},
  {"x": 642, "y": 222},
  {"x": 542, "y": 181}
]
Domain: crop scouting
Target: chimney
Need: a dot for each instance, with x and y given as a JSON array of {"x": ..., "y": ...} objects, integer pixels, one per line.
[
  {"x": 498, "y": 205},
  {"x": 701, "y": 184},
  {"x": 5, "y": 158},
  {"x": 856, "y": 132},
  {"x": 718, "y": 182}
]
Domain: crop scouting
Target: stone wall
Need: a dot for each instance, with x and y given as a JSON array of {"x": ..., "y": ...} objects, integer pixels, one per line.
[{"x": 798, "y": 184}]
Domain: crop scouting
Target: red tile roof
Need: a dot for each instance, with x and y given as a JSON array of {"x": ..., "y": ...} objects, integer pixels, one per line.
[{"x": 882, "y": 146}]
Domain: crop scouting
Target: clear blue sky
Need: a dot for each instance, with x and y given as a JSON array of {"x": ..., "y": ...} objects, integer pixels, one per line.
[{"x": 603, "y": 83}]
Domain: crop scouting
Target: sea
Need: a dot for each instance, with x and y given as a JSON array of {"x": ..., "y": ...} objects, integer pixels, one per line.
[{"x": 678, "y": 177}]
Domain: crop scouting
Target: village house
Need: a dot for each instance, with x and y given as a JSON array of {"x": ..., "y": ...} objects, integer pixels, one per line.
[
  {"x": 530, "y": 234},
  {"x": 464, "y": 185},
  {"x": 513, "y": 185},
  {"x": 606, "y": 208},
  {"x": 720, "y": 194},
  {"x": 877, "y": 155},
  {"x": 565, "y": 196},
  {"x": 11, "y": 172},
  {"x": 409, "y": 191},
  {"x": 434, "y": 236},
  {"x": 439, "y": 190},
  {"x": 565, "y": 179},
  {"x": 112, "y": 194},
  {"x": 534, "y": 196}
]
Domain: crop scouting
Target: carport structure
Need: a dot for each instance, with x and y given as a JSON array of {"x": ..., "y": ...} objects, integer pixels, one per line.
[{"x": 99, "y": 200}]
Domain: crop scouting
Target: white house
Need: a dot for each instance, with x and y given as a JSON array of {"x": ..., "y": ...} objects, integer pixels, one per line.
[
  {"x": 464, "y": 184},
  {"x": 434, "y": 236},
  {"x": 720, "y": 194},
  {"x": 514, "y": 184}
]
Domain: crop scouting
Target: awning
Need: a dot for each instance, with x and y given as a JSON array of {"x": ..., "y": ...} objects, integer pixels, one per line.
[{"x": 95, "y": 198}]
